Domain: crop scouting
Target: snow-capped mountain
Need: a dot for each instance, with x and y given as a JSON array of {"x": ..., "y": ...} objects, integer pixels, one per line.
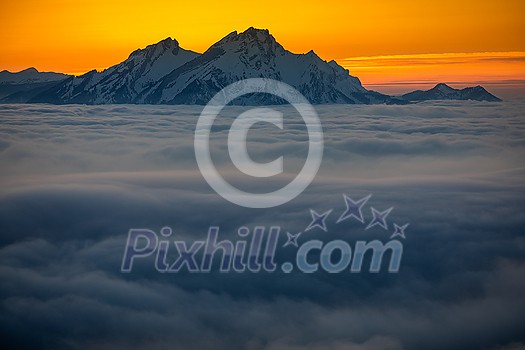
[
  {"x": 444, "y": 92},
  {"x": 253, "y": 54},
  {"x": 23, "y": 85},
  {"x": 165, "y": 73},
  {"x": 124, "y": 82},
  {"x": 29, "y": 76}
]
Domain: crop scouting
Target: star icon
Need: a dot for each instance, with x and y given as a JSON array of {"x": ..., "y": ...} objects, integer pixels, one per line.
[
  {"x": 353, "y": 208},
  {"x": 318, "y": 220},
  {"x": 399, "y": 231},
  {"x": 291, "y": 239},
  {"x": 379, "y": 218}
]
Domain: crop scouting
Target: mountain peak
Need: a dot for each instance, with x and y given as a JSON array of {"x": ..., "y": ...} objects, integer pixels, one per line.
[
  {"x": 168, "y": 42},
  {"x": 163, "y": 45},
  {"x": 29, "y": 76},
  {"x": 442, "y": 87},
  {"x": 444, "y": 92},
  {"x": 30, "y": 70},
  {"x": 312, "y": 54},
  {"x": 479, "y": 87},
  {"x": 250, "y": 35},
  {"x": 258, "y": 32}
]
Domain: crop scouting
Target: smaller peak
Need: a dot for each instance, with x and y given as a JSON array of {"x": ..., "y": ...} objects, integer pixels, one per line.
[
  {"x": 257, "y": 34},
  {"x": 165, "y": 44},
  {"x": 29, "y": 70},
  {"x": 443, "y": 87},
  {"x": 90, "y": 73},
  {"x": 261, "y": 36},
  {"x": 477, "y": 88},
  {"x": 168, "y": 41},
  {"x": 257, "y": 30},
  {"x": 311, "y": 53}
]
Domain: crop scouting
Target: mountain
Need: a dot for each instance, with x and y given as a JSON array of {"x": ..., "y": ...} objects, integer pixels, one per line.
[
  {"x": 252, "y": 54},
  {"x": 444, "y": 92},
  {"x": 165, "y": 73},
  {"x": 124, "y": 82},
  {"x": 21, "y": 86},
  {"x": 29, "y": 76}
]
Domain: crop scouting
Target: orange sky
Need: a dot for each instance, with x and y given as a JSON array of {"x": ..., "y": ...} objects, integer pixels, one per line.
[
  {"x": 77, "y": 36},
  {"x": 502, "y": 73}
]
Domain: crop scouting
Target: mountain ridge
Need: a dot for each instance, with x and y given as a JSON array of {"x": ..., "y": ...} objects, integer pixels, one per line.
[
  {"x": 165, "y": 73},
  {"x": 443, "y": 91},
  {"x": 29, "y": 75}
]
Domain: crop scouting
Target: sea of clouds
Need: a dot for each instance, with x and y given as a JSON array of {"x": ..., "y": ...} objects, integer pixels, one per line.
[{"x": 74, "y": 179}]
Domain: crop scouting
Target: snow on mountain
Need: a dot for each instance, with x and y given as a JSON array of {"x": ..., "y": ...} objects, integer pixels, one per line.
[
  {"x": 29, "y": 76},
  {"x": 23, "y": 85},
  {"x": 255, "y": 53},
  {"x": 165, "y": 73},
  {"x": 124, "y": 82},
  {"x": 444, "y": 92}
]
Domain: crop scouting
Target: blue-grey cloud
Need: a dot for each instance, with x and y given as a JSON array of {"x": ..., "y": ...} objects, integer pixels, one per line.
[{"x": 75, "y": 179}]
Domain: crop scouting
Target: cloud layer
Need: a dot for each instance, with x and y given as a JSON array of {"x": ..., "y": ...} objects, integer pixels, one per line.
[{"x": 75, "y": 179}]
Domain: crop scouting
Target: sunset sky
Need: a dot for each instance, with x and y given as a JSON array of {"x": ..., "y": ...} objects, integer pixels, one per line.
[{"x": 385, "y": 43}]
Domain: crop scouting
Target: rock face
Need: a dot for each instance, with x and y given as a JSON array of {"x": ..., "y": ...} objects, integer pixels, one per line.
[
  {"x": 444, "y": 92},
  {"x": 165, "y": 73}
]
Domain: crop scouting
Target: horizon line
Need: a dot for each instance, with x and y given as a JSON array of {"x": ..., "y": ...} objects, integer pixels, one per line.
[{"x": 344, "y": 62}]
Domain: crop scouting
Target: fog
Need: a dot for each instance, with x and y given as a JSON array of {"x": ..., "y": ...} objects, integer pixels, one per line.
[{"x": 74, "y": 179}]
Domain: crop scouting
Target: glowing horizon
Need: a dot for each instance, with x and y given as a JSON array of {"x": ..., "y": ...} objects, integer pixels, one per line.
[
  {"x": 381, "y": 42},
  {"x": 504, "y": 72}
]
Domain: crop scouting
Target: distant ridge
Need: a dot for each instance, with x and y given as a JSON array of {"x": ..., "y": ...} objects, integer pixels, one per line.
[
  {"x": 22, "y": 86},
  {"x": 165, "y": 73},
  {"x": 28, "y": 76},
  {"x": 444, "y": 92}
]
